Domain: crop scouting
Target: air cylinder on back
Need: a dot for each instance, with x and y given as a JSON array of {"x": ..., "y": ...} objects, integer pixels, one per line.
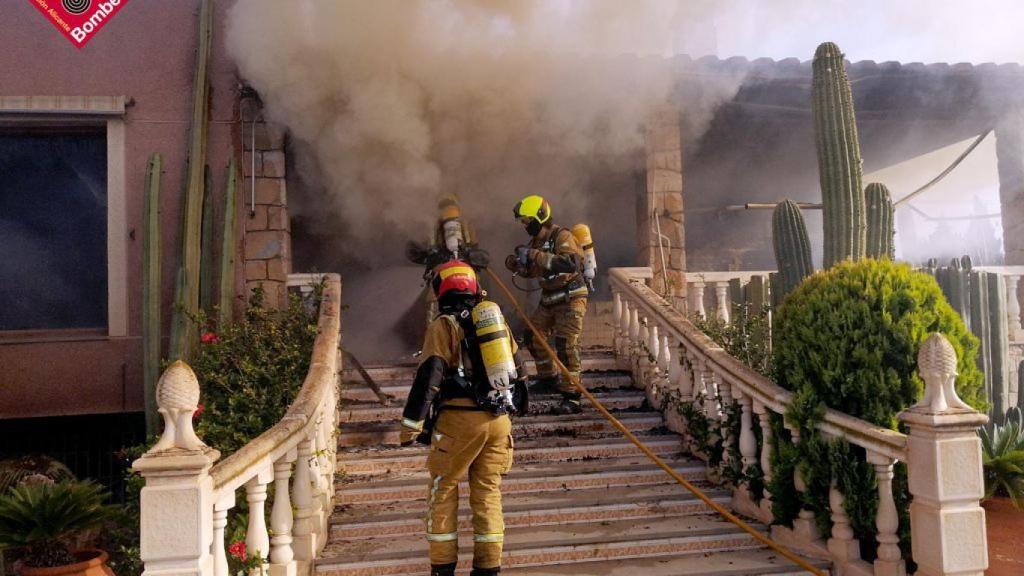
[
  {"x": 582, "y": 234},
  {"x": 495, "y": 344}
]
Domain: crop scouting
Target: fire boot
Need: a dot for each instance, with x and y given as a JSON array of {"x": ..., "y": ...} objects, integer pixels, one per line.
[
  {"x": 485, "y": 571},
  {"x": 570, "y": 404},
  {"x": 544, "y": 385},
  {"x": 443, "y": 569}
]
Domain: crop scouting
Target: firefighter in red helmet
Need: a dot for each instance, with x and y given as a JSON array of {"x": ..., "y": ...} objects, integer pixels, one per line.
[{"x": 466, "y": 388}]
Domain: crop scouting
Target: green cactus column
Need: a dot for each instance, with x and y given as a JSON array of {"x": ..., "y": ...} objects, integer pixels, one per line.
[
  {"x": 151, "y": 328},
  {"x": 792, "y": 248},
  {"x": 839, "y": 160},
  {"x": 227, "y": 249},
  {"x": 881, "y": 235}
]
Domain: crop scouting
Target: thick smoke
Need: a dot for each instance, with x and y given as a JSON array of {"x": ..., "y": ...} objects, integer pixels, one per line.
[{"x": 391, "y": 102}]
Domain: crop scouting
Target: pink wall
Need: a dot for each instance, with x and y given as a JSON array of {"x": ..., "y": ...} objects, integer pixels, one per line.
[{"x": 146, "y": 52}]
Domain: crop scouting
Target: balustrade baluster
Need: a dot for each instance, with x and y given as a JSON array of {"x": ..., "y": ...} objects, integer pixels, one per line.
[
  {"x": 652, "y": 375},
  {"x": 303, "y": 537},
  {"x": 220, "y": 521},
  {"x": 257, "y": 540},
  {"x": 324, "y": 449},
  {"x": 642, "y": 358},
  {"x": 634, "y": 334},
  {"x": 686, "y": 374},
  {"x": 282, "y": 557},
  {"x": 616, "y": 320},
  {"x": 890, "y": 560},
  {"x": 804, "y": 525},
  {"x": 671, "y": 355},
  {"x": 841, "y": 545},
  {"x": 766, "y": 455},
  {"x": 698, "y": 300},
  {"x": 722, "y": 301},
  {"x": 748, "y": 442}
]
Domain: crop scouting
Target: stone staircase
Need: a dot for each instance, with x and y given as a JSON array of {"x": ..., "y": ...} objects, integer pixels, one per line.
[{"x": 580, "y": 498}]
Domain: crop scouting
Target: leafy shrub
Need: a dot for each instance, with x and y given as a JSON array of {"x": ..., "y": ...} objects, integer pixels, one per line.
[
  {"x": 847, "y": 339},
  {"x": 747, "y": 336},
  {"x": 39, "y": 518},
  {"x": 251, "y": 371}
]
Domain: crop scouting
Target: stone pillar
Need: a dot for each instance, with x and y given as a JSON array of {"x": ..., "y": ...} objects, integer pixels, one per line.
[
  {"x": 945, "y": 474},
  {"x": 177, "y": 527},
  {"x": 665, "y": 252},
  {"x": 1010, "y": 156},
  {"x": 268, "y": 259}
]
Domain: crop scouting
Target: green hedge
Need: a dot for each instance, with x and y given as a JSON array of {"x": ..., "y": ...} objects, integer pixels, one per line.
[{"x": 847, "y": 338}]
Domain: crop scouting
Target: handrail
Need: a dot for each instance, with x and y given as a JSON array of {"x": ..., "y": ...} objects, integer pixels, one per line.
[
  {"x": 864, "y": 434},
  {"x": 262, "y": 451}
]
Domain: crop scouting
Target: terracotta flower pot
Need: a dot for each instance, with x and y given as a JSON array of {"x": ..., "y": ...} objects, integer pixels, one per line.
[{"x": 90, "y": 563}]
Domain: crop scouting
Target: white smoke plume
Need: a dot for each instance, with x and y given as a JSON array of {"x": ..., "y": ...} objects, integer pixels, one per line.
[{"x": 391, "y": 102}]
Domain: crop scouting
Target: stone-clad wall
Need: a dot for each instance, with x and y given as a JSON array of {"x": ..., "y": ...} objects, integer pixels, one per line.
[
  {"x": 664, "y": 194},
  {"x": 268, "y": 258}
]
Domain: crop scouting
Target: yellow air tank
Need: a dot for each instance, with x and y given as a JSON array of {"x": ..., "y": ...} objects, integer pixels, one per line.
[
  {"x": 582, "y": 234},
  {"x": 451, "y": 223},
  {"x": 493, "y": 337}
]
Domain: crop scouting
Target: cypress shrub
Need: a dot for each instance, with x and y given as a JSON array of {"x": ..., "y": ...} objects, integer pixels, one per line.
[{"x": 847, "y": 339}]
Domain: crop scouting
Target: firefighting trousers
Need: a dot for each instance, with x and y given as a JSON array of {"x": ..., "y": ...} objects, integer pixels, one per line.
[
  {"x": 565, "y": 323},
  {"x": 476, "y": 442}
]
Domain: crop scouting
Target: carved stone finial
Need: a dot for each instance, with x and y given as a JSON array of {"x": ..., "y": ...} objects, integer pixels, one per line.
[
  {"x": 178, "y": 388},
  {"x": 937, "y": 356},
  {"x": 936, "y": 363},
  {"x": 177, "y": 397}
]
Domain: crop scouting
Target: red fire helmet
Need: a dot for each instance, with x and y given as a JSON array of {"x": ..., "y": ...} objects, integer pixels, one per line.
[{"x": 455, "y": 276}]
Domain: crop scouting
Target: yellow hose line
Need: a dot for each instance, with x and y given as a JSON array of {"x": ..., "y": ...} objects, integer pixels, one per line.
[{"x": 538, "y": 337}]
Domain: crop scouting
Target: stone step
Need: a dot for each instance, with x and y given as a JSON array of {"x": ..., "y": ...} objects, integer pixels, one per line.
[
  {"x": 373, "y": 433},
  {"x": 534, "y": 545},
  {"x": 542, "y": 404},
  {"x": 752, "y": 562},
  {"x": 610, "y": 473},
  {"x": 357, "y": 390},
  {"x": 593, "y": 361},
  {"x": 549, "y": 449}
]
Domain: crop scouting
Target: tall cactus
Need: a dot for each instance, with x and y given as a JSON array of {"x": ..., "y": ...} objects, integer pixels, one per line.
[
  {"x": 192, "y": 220},
  {"x": 839, "y": 160},
  {"x": 792, "y": 248},
  {"x": 227, "y": 249},
  {"x": 151, "y": 329},
  {"x": 881, "y": 235}
]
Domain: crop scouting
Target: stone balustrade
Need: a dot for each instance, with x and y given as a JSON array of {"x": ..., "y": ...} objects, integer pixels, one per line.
[
  {"x": 187, "y": 498},
  {"x": 716, "y": 292},
  {"x": 672, "y": 359}
]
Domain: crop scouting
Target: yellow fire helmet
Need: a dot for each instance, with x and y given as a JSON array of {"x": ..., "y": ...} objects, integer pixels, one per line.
[{"x": 533, "y": 208}]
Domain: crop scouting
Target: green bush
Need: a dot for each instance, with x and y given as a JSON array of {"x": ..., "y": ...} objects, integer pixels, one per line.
[
  {"x": 747, "y": 336},
  {"x": 40, "y": 518},
  {"x": 847, "y": 338},
  {"x": 251, "y": 371}
]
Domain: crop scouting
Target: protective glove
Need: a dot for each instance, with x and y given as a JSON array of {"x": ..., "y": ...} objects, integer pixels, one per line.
[
  {"x": 512, "y": 263},
  {"x": 407, "y": 436},
  {"x": 524, "y": 255}
]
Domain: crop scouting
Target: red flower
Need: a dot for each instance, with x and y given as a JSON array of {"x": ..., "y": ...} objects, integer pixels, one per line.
[
  {"x": 209, "y": 338},
  {"x": 199, "y": 410},
  {"x": 237, "y": 550}
]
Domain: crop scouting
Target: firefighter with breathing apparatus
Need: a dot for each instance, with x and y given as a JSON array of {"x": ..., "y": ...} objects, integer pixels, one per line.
[
  {"x": 563, "y": 260},
  {"x": 466, "y": 388}
]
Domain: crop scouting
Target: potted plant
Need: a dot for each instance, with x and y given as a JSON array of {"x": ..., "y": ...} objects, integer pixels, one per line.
[{"x": 41, "y": 518}]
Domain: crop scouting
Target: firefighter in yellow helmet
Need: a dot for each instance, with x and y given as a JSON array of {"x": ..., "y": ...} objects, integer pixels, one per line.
[
  {"x": 556, "y": 259},
  {"x": 465, "y": 390}
]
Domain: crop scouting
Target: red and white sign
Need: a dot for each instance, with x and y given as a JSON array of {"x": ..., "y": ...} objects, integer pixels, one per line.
[{"x": 79, "y": 20}]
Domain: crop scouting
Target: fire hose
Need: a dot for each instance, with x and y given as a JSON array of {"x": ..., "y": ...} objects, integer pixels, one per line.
[{"x": 539, "y": 337}]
